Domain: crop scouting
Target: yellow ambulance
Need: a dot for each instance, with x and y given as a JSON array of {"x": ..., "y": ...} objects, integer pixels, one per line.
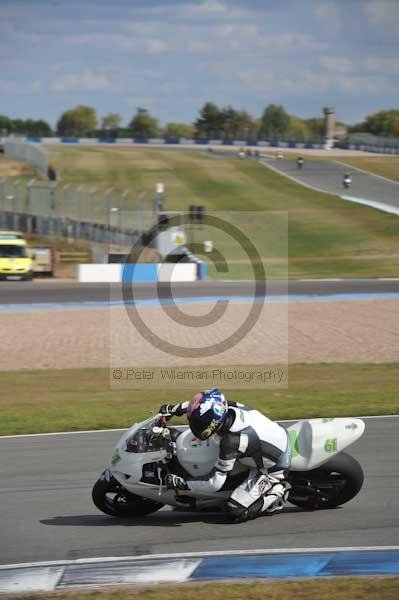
[{"x": 15, "y": 260}]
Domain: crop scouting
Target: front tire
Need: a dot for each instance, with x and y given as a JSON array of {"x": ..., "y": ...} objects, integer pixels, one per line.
[
  {"x": 112, "y": 499},
  {"x": 330, "y": 485}
]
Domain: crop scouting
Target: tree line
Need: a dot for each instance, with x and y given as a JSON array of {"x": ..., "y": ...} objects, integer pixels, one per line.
[{"x": 213, "y": 122}]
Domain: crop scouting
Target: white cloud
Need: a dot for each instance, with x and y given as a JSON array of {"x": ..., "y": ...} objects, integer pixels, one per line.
[
  {"x": 316, "y": 82},
  {"x": 88, "y": 81},
  {"x": 122, "y": 41},
  {"x": 209, "y": 8},
  {"x": 202, "y": 11}
]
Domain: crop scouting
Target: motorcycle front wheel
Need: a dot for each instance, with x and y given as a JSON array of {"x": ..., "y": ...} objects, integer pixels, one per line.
[
  {"x": 112, "y": 499},
  {"x": 330, "y": 485}
]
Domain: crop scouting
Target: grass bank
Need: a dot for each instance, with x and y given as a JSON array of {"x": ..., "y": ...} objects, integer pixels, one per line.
[
  {"x": 386, "y": 166},
  {"x": 342, "y": 588},
  {"x": 80, "y": 399},
  {"x": 326, "y": 236}
]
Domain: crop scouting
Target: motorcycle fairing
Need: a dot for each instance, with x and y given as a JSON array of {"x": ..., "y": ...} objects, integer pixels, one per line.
[{"x": 314, "y": 441}]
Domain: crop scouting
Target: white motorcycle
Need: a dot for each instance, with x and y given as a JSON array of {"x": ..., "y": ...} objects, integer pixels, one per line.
[{"x": 321, "y": 475}]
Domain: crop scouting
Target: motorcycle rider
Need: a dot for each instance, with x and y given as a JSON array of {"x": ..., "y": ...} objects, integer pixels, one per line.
[
  {"x": 299, "y": 162},
  {"x": 247, "y": 438},
  {"x": 347, "y": 180}
]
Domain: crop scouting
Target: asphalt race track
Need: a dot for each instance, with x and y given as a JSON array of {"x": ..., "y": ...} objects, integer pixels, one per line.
[
  {"x": 55, "y": 291},
  {"x": 326, "y": 175},
  {"x": 47, "y": 513}
]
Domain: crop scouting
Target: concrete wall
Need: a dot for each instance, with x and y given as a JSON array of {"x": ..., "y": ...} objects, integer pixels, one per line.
[{"x": 141, "y": 272}]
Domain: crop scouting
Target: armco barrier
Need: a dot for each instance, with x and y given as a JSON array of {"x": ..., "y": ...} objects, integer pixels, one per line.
[
  {"x": 141, "y": 272},
  {"x": 175, "y": 141}
]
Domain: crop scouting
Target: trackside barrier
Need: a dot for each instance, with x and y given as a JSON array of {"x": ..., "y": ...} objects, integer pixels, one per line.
[
  {"x": 190, "y": 567},
  {"x": 27, "y": 151},
  {"x": 141, "y": 272},
  {"x": 175, "y": 141}
]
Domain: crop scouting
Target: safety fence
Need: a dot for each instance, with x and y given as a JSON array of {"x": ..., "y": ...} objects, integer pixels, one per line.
[{"x": 74, "y": 211}]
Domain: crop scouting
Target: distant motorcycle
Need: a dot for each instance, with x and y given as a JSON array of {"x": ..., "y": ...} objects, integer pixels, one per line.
[
  {"x": 299, "y": 162},
  {"x": 321, "y": 475},
  {"x": 347, "y": 180}
]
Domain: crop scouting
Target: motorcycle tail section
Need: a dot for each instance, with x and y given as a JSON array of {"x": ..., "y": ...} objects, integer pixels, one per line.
[{"x": 315, "y": 441}]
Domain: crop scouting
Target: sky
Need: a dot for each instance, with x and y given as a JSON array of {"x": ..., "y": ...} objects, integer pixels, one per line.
[{"x": 171, "y": 56}]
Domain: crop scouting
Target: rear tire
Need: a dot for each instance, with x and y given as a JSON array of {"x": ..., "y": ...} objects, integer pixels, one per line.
[
  {"x": 339, "y": 480},
  {"x": 112, "y": 499}
]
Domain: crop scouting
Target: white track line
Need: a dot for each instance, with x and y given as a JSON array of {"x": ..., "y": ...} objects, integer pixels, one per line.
[
  {"x": 382, "y": 206},
  {"x": 143, "y": 557},
  {"x": 29, "y": 435},
  {"x": 339, "y": 162}
]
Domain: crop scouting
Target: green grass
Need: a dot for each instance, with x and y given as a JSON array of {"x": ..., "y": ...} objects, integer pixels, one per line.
[
  {"x": 326, "y": 236},
  {"x": 341, "y": 588},
  {"x": 59, "y": 400},
  {"x": 387, "y": 166}
]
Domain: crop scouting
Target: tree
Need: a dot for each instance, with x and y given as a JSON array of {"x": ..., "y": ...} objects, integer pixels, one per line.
[
  {"x": 144, "y": 125},
  {"x": 384, "y": 122},
  {"x": 275, "y": 121},
  {"x": 5, "y": 124},
  {"x": 78, "y": 121},
  {"x": 210, "y": 124},
  {"x": 244, "y": 126},
  {"x": 37, "y": 128},
  {"x": 299, "y": 130},
  {"x": 316, "y": 127},
  {"x": 111, "y": 121},
  {"x": 179, "y": 130}
]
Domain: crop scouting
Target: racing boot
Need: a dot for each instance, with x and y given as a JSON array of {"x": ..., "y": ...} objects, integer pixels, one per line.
[{"x": 275, "y": 500}]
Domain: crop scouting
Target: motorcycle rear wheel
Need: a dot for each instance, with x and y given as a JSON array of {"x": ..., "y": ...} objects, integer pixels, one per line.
[
  {"x": 112, "y": 499},
  {"x": 330, "y": 485}
]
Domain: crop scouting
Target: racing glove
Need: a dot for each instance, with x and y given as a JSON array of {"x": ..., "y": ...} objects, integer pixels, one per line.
[
  {"x": 170, "y": 410},
  {"x": 167, "y": 410},
  {"x": 175, "y": 482}
]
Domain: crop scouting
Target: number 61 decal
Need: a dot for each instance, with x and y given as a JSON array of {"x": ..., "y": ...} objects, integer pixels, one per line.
[{"x": 330, "y": 445}]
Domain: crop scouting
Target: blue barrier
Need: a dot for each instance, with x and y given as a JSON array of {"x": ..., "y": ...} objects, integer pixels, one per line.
[
  {"x": 202, "y": 269},
  {"x": 198, "y": 141},
  {"x": 306, "y": 564},
  {"x": 139, "y": 272}
]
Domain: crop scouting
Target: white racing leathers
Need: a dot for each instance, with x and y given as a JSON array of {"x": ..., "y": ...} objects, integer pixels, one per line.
[{"x": 250, "y": 440}]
